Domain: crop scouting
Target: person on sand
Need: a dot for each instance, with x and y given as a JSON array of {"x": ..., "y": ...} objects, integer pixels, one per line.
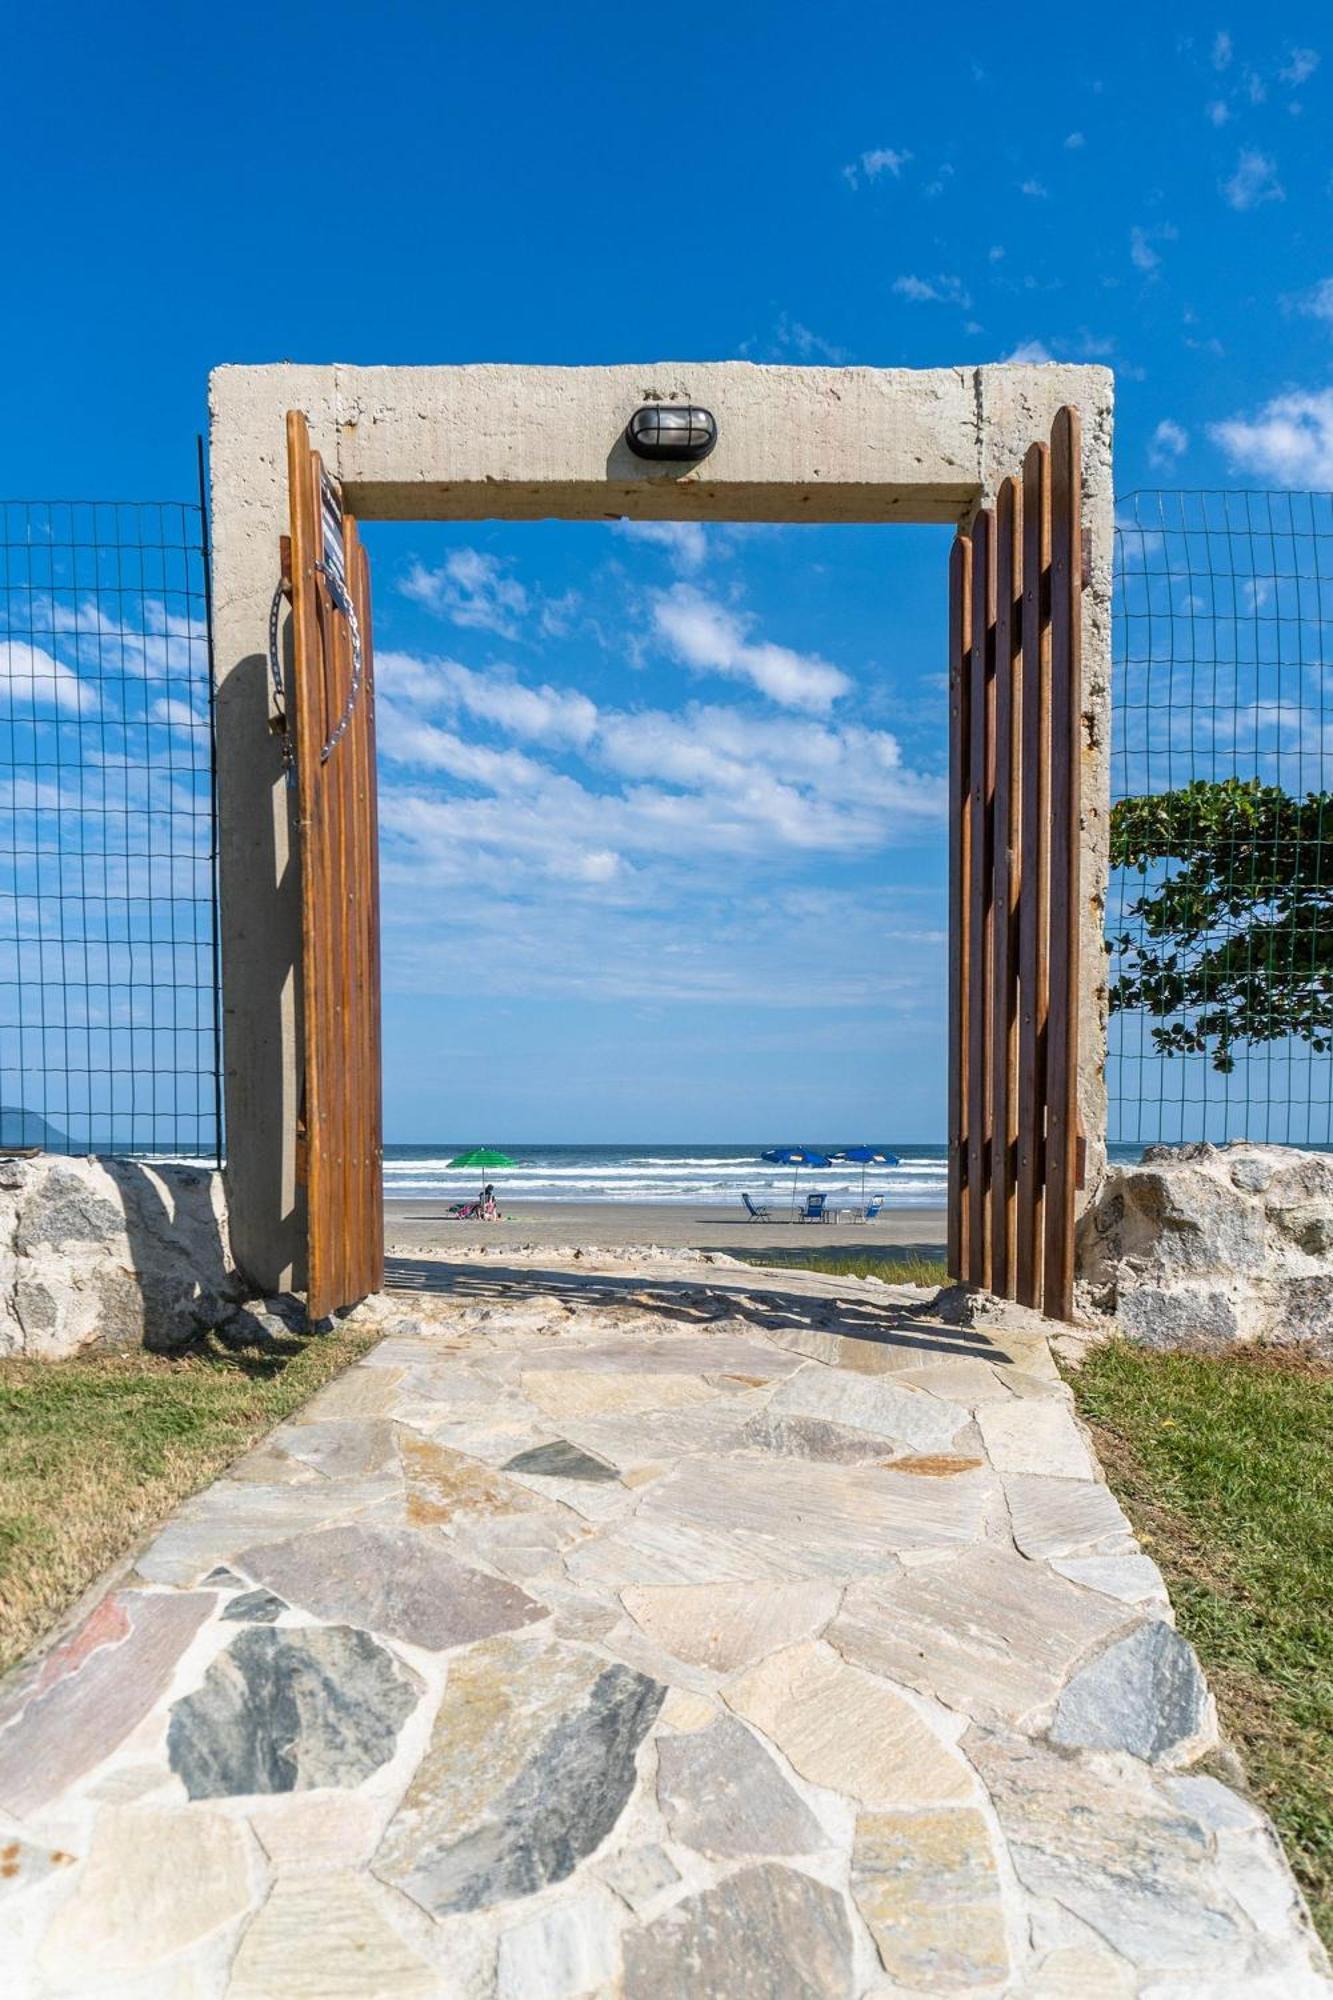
[{"x": 487, "y": 1206}]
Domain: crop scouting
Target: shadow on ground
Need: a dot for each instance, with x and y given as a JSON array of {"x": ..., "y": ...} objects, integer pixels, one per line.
[{"x": 772, "y": 1308}]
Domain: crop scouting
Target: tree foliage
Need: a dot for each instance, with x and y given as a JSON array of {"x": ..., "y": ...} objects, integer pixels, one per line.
[{"x": 1232, "y": 937}]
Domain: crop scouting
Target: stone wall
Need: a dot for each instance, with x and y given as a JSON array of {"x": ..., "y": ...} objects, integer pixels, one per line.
[
  {"x": 1199, "y": 1246},
  {"x": 110, "y": 1252}
]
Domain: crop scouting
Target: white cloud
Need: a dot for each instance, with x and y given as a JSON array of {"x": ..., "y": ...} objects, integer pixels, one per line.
[
  {"x": 406, "y": 739},
  {"x": 471, "y": 589},
  {"x": 1075, "y": 142},
  {"x": 1030, "y": 351},
  {"x": 1142, "y": 254},
  {"x": 879, "y": 160},
  {"x": 708, "y": 637},
  {"x": 536, "y": 715},
  {"x": 794, "y": 337},
  {"x": 1318, "y": 301},
  {"x": 686, "y": 542},
  {"x": 1289, "y": 441},
  {"x": 33, "y": 679},
  {"x": 1254, "y": 182},
  {"x": 1300, "y": 66},
  {"x": 1217, "y": 112},
  {"x": 941, "y": 290},
  {"x": 1169, "y": 443},
  {"x": 1034, "y": 189},
  {"x": 1222, "y": 50}
]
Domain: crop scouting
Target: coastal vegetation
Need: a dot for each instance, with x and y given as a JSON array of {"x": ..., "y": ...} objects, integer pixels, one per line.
[
  {"x": 1224, "y": 1464},
  {"x": 95, "y": 1451},
  {"x": 896, "y": 1264}
]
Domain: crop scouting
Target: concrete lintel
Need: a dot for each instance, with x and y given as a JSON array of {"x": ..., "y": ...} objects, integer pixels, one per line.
[{"x": 501, "y": 441}]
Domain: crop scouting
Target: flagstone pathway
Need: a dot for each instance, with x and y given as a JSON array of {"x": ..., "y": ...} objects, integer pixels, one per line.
[{"x": 668, "y": 1632}]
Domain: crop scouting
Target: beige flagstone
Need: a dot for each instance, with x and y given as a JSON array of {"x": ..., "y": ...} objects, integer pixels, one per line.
[
  {"x": 848, "y": 1730},
  {"x": 562, "y": 1393},
  {"x": 155, "y": 1881},
  {"x": 1040, "y": 1436},
  {"x": 987, "y": 1633},
  {"x": 324, "y": 1937},
  {"x": 563, "y": 1953},
  {"x": 305, "y": 1833},
  {"x": 728, "y": 1626},
  {"x": 361, "y": 1392},
  {"x": 443, "y": 1485},
  {"x": 928, "y": 1886},
  {"x": 901, "y": 1417},
  {"x": 1080, "y": 1972},
  {"x": 1065, "y": 1517},
  {"x": 815, "y": 1519}
]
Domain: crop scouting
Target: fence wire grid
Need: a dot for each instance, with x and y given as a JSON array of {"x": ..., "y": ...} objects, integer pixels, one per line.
[
  {"x": 1220, "y": 914},
  {"x": 109, "y": 1027}
]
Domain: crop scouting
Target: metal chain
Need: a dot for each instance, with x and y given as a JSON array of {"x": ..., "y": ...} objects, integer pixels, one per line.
[
  {"x": 276, "y": 676},
  {"x": 342, "y": 602}
]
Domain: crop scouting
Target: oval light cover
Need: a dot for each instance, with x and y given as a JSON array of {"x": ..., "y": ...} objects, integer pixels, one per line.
[{"x": 671, "y": 430}]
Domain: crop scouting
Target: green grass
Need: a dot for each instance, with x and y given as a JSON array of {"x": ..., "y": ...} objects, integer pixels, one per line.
[
  {"x": 895, "y": 1266},
  {"x": 95, "y": 1451},
  {"x": 1225, "y": 1466}
]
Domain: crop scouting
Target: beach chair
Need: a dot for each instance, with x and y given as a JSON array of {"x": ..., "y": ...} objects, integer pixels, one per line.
[
  {"x": 755, "y": 1210},
  {"x": 871, "y": 1209},
  {"x": 814, "y": 1208}
]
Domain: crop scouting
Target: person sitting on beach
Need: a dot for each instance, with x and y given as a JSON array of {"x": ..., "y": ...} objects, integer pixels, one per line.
[{"x": 487, "y": 1208}]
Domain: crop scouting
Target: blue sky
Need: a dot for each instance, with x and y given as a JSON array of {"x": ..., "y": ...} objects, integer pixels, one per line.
[{"x": 662, "y": 833}]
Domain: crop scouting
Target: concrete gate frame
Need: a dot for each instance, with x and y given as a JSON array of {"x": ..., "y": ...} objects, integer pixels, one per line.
[{"x": 501, "y": 442}]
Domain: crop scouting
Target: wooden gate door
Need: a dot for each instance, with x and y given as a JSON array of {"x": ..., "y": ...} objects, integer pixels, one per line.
[
  {"x": 340, "y": 1142},
  {"x": 1015, "y": 709}
]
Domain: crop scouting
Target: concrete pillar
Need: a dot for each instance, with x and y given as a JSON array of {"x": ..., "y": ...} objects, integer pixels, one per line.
[
  {"x": 517, "y": 443},
  {"x": 258, "y": 868}
]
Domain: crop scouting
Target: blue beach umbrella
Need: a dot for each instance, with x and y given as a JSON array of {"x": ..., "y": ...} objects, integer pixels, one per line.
[
  {"x": 868, "y": 1156},
  {"x": 798, "y": 1157}
]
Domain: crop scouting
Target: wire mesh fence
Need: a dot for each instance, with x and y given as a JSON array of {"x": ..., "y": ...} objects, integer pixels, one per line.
[
  {"x": 1220, "y": 916},
  {"x": 108, "y": 936}
]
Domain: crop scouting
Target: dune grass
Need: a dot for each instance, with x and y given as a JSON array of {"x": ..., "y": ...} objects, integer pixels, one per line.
[
  {"x": 96, "y": 1450},
  {"x": 1224, "y": 1464},
  {"x": 895, "y": 1264}
]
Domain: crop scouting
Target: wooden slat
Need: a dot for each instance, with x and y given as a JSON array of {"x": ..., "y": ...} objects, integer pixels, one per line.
[
  {"x": 1006, "y": 877},
  {"x": 365, "y": 1148},
  {"x": 960, "y": 663},
  {"x": 1034, "y": 900},
  {"x": 354, "y": 803},
  {"x": 336, "y": 957},
  {"x": 373, "y": 1084},
  {"x": 982, "y": 796},
  {"x": 339, "y": 908},
  {"x": 1066, "y": 731}
]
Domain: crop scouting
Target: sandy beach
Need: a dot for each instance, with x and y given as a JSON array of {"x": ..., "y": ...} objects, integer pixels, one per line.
[{"x": 422, "y": 1224}]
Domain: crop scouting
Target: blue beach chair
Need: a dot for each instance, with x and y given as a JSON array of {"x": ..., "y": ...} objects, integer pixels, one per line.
[{"x": 755, "y": 1210}]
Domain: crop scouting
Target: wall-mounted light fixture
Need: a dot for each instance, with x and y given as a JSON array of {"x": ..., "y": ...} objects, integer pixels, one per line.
[{"x": 671, "y": 430}]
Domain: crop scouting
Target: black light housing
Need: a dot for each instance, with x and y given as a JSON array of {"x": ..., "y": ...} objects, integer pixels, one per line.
[{"x": 671, "y": 430}]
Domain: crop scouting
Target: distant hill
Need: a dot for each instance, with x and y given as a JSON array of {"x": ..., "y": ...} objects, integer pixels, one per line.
[{"x": 20, "y": 1127}]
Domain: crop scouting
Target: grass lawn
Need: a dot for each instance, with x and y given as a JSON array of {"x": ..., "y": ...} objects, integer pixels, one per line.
[
  {"x": 1225, "y": 1466},
  {"x": 95, "y": 1451},
  {"x": 896, "y": 1266}
]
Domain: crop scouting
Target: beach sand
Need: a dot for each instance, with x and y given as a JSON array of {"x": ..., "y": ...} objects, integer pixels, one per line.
[{"x": 415, "y": 1224}]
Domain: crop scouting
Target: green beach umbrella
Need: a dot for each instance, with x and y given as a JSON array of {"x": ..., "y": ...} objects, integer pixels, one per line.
[{"x": 483, "y": 1156}]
